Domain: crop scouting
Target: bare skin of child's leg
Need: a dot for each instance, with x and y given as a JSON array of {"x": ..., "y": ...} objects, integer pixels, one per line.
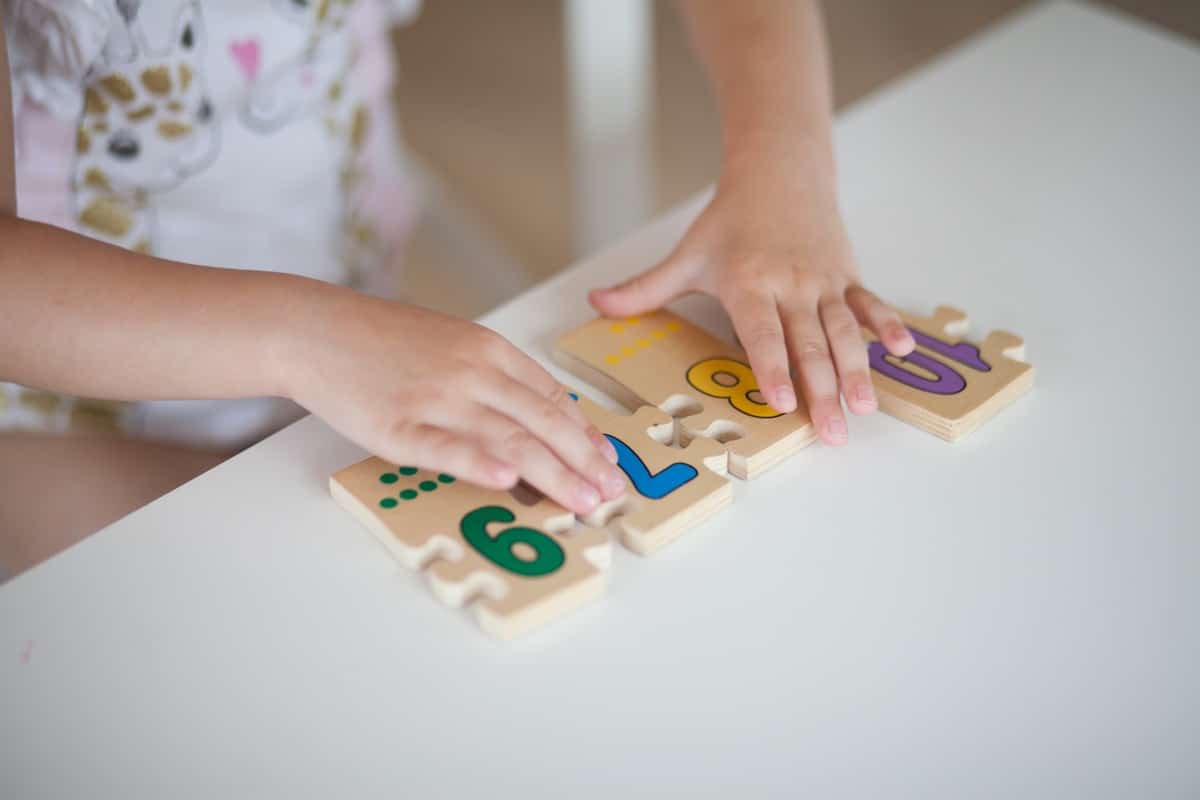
[{"x": 56, "y": 490}]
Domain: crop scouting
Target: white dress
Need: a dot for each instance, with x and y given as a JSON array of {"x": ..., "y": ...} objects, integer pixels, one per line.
[{"x": 229, "y": 133}]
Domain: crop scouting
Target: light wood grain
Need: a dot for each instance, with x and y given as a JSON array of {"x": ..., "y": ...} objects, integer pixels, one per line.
[
  {"x": 644, "y": 523},
  {"x": 647, "y": 360},
  {"x": 425, "y": 532}
]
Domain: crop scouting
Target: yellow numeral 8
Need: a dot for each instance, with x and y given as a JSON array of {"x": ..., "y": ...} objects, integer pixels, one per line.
[{"x": 733, "y": 380}]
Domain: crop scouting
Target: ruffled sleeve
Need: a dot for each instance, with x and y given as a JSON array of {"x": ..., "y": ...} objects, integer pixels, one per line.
[{"x": 51, "y": 46}]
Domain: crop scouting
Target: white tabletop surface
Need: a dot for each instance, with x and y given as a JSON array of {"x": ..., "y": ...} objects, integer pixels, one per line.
[{"x": 1014, "y": 615}]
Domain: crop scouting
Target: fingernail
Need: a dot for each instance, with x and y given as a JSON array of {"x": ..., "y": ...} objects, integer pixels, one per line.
[
  {"x": 587, "y": 498},
  {"x": 836, "y": 428},
  {"x": 609, "y": 451},
  {"x": 785, "y": 399},
  {"x": 614, "y": 484},
  {"x": 865, "y": 394}
]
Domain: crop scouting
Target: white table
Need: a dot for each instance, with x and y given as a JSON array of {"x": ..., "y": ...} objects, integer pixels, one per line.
[{"x": 1014, "y": 615}]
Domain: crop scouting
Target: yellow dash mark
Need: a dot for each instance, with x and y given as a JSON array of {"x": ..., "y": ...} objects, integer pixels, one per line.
[
  {"x": 634, "y": 320},
  {"x": 674, "y": 325},
  {"x": 335, "y": 91},
  {"x": 658, "y": 333},
  {"x": 185, "y": 77},
  {"x": 617, "y": 327},
  {"x": 96, "y": 179},
  {"x": 173, "y": 130},
  {"x": 141, "y": 113},
  {"x": 628, "y": 351},
  {"x": 83, "y": 142},
  {"x": 118, "y": 87},
  {"x": 642, "y": 343},
  {"x": 100, "y": 127},
  {"x": 174, "y": 106},
  {"x": 157, "y": 80},
  {"x": 322, "y": 10},
  {"x": 613, "y": 359},
  {"x": 107, "y": 216}
]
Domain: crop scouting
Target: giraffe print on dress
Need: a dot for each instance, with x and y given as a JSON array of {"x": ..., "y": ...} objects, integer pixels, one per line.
[
  {"x": 313, "y": 83},
  {"x": 298, "y": 86},
  {"x": 147, "y": 124}
]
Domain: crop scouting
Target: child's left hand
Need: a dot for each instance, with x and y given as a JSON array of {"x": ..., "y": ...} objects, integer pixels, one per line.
[{"x": 774, "y": 251}]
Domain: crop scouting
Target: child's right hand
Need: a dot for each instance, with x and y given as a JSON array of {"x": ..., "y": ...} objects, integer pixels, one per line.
[{"x": 418, "y": 388}]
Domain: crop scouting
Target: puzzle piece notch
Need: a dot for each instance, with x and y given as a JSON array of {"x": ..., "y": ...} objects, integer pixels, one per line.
[
  {"x": 662, "y": 360},
  {"x": 650, "y": 515},
  {"x": 949, "y": 386},
  {"x": 429, "y": 525}
]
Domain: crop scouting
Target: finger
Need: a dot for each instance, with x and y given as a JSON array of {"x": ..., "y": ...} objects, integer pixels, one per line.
[
  {"x": 756, "y": 321},
  {"x": 647, "y": 291},
  {"x": 849, "y": 356},
  {"x": 818, "y": 381},
  {"x": 446, "y": 451},
  {"x": 525, "y": 370},
  {"x": 509, "y": 442},
  {"x": 881, "y": 319},
  {"x": 556, "y": 430}
]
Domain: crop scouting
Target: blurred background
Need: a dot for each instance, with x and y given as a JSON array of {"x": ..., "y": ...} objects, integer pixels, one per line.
[{"x": 499, "y": 101}]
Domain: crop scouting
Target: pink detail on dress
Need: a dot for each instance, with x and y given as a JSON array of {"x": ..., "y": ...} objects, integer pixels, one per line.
[
  {"x": 45, "y": 148},
  {"x": 247, "y": 53}
]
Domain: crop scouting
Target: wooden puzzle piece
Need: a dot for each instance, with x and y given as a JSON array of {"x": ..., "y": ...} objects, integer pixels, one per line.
[
  {"x": 670, "y": 490},
  {"x": 949, "y": 386},
  {"x": 661, "y": 360},
  {"x": 519, "y": 565}
]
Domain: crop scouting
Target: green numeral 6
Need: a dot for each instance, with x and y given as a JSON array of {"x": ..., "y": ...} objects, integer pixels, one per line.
[{"x": 548, "y": 554}]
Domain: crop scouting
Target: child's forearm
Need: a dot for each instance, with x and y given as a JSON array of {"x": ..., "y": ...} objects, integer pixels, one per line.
[
  {"x": 771, "y": 243},
  {"x": 768, "y": 66},
  {"x": 86, "y": 318}
]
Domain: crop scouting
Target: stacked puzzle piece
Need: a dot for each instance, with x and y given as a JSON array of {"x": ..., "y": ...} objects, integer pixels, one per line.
[{"x": 698, "y": 416}]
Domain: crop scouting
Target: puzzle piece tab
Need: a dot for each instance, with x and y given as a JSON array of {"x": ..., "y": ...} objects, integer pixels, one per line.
[
  {"x": 670, "y": 490},
  {"x": 519, "y": 565},
  {"x": 949, "y": 386},
  {"x": 662, "y": 360}
]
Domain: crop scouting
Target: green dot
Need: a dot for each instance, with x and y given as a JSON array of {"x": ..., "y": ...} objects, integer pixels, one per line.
[
  {"x": 388, "y": 502},
  {"x": 444, "y": 478},
  {"x": 408, "y": 494},
  {"x": 389, "y": 477},
  {"x": 408, "y": 470},
  {"x": 427, "y": 486}
]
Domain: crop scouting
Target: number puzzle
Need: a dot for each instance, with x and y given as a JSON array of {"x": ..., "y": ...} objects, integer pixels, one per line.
[
  {"x": 670, "y": 489},
  {"x": 949, "y": 386},
  {"x": 663, "y": 361},
  {"x": 518, "y": 565}
]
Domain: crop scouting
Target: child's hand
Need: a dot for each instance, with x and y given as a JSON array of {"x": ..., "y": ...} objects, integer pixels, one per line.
[
  {"x": 776, "y": 254},
  {"x": 418, "y": 388}
]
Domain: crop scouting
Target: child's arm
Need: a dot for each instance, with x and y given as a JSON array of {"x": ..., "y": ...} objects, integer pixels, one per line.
[
  {"x": 771, "y": 244},
  {"x": 87, "y": 318}
]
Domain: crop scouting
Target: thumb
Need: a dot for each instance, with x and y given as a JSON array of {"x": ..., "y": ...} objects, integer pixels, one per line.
[{"x": 648, "y": 291}]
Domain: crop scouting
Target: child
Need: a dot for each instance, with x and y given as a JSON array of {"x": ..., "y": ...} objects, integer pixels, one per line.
[{"x": 202, "y": 184}]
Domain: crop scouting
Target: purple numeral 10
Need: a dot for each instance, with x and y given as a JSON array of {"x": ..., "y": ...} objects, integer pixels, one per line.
[{"x": 946, "y": 379}]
